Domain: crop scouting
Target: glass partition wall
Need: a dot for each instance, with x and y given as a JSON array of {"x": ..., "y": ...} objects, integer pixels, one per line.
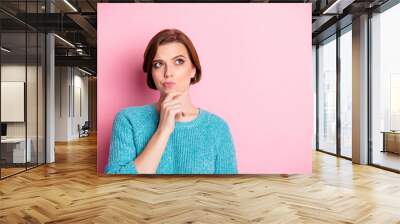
[{"x": 22, "y": 88}]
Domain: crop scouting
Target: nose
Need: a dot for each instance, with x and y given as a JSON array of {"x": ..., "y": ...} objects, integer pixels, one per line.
[{"x": 168, "y": 72}]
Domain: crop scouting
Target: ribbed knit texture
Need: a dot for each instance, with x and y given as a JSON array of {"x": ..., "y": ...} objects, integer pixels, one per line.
[{"x": 203, "y": 145}]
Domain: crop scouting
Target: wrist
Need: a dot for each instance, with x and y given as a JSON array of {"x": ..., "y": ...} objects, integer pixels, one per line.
[{"x": 163, "y": 133}]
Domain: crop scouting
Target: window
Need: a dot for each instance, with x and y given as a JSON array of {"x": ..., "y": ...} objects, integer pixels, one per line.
[
  {"x": 327, "y": 95},
  {"x": 385, "y": 88},
  {"x": 346, "y": 92}
]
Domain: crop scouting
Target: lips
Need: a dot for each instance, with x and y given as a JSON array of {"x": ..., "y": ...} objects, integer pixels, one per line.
[{"x": 168, "y": 84}]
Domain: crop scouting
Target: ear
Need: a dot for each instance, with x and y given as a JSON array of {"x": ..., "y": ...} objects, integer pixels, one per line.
[{"x": 193, "y": 74}]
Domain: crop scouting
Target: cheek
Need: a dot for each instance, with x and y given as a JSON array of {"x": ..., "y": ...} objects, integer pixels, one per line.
[
  {"x": 186, "y": 72},
  {"x": 184, "y": 77},
  {"x": 157, "y": 75}
]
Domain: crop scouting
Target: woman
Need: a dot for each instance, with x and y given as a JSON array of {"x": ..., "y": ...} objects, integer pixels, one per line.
[{"x": 171, "y": 136}]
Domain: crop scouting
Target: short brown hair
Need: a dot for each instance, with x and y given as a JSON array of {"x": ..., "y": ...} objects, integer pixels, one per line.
[{"x": 168, "y": 36}]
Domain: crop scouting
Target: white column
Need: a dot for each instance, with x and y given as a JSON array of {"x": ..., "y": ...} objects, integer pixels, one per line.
[
  {"x": 50, "y": 93},
  {"x": 360, "y": 90}
]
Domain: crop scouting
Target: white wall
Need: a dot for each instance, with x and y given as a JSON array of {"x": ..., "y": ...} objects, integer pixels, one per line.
[
  {"x": 80, "y": 97},
  {"x": 71, "y": 93},
  {"x": 61, "y": 103}
]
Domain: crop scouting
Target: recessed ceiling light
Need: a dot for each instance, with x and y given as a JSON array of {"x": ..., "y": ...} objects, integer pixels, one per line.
[
  {"x": 64, "y": 40},
  {"x": 5, "y": 50},
  {"x": 338, "y": 6},
  {"x": 84, "y": 71},
  {"x": 70, "y": 5}
]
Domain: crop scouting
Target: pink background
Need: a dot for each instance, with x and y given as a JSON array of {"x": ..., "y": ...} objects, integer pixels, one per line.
[{"x": 256, "y": 62}]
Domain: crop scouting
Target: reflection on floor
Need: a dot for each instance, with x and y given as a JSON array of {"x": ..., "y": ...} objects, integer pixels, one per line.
[
  {"x": 386, "y": 159},
  {"x": 347, "y": 152},
  {"x": 10, "y": 169}
]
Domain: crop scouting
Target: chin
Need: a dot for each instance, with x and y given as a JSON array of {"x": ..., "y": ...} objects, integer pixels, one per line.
[
  {"x": 166, "y": 91},
  {"x": 169, "y": 90}
]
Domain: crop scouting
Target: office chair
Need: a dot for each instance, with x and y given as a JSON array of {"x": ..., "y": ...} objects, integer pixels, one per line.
[{"x": 84, "y": 130}]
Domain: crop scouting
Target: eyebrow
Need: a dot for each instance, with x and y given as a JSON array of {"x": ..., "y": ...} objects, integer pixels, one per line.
[{"x": 171, "y": 58}]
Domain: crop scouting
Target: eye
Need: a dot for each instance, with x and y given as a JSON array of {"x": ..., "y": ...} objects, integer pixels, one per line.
[
  {"x": 157, "y": 65},
  {"x": 179, "y": 61}
]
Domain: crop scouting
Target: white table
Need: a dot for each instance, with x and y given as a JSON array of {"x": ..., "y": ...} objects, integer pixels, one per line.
[{"x": 18, "y": 144}]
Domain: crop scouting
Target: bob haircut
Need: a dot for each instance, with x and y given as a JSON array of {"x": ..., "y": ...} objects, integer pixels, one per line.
[{"x": 168, "y": 36}]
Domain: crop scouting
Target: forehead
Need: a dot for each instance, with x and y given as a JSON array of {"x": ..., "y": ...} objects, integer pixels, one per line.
[{"x": 170, "y": 50}]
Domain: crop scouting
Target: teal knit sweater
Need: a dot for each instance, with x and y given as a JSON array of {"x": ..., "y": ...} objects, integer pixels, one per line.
[{"x": 203, "y": 145}]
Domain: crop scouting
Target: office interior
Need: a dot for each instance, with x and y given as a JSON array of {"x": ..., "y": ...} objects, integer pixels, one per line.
[{"x": 48, "y": 83}]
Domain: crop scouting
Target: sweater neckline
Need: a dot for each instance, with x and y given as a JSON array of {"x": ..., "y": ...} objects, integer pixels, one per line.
[{"x": 194, "y": 122}]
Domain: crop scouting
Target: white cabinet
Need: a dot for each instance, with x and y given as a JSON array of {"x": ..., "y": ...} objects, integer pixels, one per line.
[{"x": 18, "y": 149}]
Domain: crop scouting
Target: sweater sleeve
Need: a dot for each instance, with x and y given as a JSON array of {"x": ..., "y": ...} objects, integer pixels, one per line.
[
  {"x": 225, "y": 162},
  {"x": 122, "y": 149}
]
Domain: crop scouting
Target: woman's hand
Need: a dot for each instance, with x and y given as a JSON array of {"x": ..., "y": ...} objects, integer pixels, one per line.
[
  {"x": 169, "y": 109},
  {"x": 148, "y": 160}
]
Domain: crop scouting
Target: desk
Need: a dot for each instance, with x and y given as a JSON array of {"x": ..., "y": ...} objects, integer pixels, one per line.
[
  {"x": 16, "y": 147},
  {"x": 391, "y": 141}
]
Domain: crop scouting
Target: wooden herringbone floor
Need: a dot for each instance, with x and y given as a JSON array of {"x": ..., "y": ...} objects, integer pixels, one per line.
[{"x": 70, "y": 191}]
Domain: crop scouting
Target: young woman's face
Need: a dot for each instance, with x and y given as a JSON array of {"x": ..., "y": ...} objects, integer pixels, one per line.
[{"x": 172, "y": 68}]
